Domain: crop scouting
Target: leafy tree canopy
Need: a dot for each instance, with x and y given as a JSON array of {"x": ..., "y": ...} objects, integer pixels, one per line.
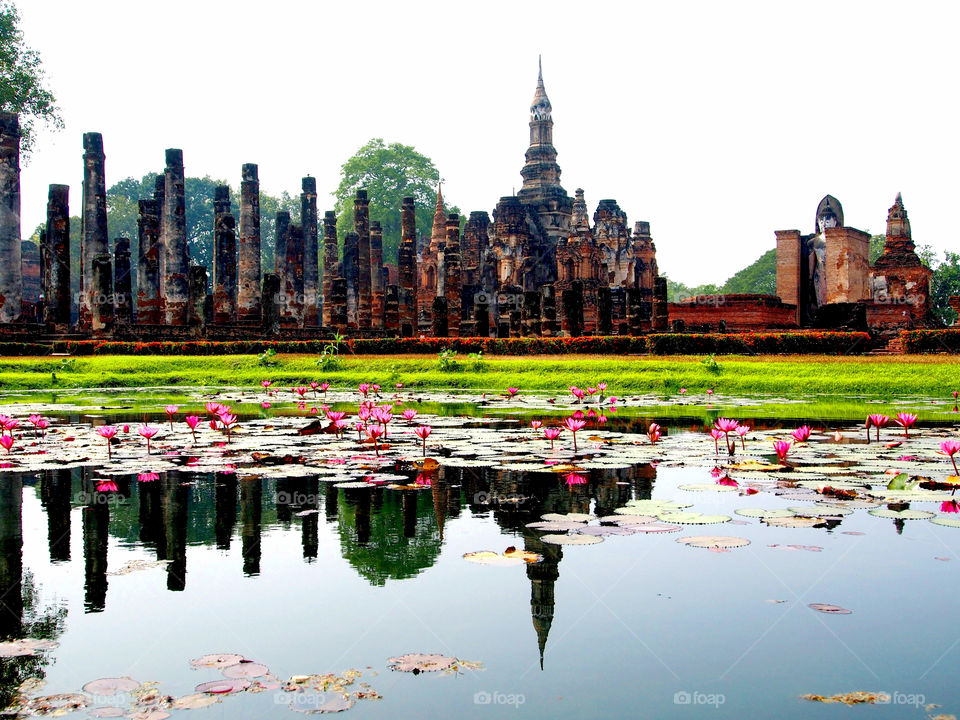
[
  {"x": 388, "y": 173},
  {"x": 21, "y": 80}
]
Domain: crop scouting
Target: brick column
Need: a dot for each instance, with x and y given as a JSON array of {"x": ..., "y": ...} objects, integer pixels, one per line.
[
  {"x": 175, "y": 257},
  {"x": 248, "y": 246},
  {"x": 56, "y": 258}
]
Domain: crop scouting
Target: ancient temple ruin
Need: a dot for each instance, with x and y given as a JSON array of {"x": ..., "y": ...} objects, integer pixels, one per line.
[{"x": 539, "y": 265}]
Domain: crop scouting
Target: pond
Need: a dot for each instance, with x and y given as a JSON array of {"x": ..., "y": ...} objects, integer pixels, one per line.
[{"x": 284, "y": 567}]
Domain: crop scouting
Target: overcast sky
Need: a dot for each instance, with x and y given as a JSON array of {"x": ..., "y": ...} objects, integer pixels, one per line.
[{"x": 719, "y": 123}]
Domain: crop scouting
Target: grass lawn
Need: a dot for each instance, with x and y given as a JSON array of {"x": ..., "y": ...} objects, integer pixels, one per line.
[{"x": 881, "y": 377}]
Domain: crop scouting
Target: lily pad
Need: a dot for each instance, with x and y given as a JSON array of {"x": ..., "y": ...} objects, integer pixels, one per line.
[
  {"x": 795, "y": 522},
  {"x": 946, "y": 521},
  {"x": 218, "y": 661},
  {"x": 830, "y": 609},
  {"x": 604, "y": 530},
  {"x": 111, "y": 686},
  {"x": 762, "y": 513},
  {"x": 245, "y": 669},
  {"x": 194, "y": 701},
  {"x": 907, "y": 514},
  {"x": 656, "y": 528},
  {"x": 417, "y": 663},
  {"x": 693, "y": 518},
  {"x": 223, "y": 687},
  {"x": 572, "y": 539},
  {"x": 572, "y": 517},
  {"x": 107, "y": 712},
  {"x": 713, "y": 541}
]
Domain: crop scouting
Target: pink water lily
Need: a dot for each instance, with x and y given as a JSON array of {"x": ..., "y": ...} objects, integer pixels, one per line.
[
  {"x": 950, "y": 448},
  {"x": 601, "y": 419},
  {"x": 10, "y": 424},
  {"x": 536, "y": 424},
  {"x": 716, "y": 435},
  {"x": 878, "y": 421},
  {"x": 171, "y": 410},
  {"x": 148, "y": 477},
  {"x": 107, "y": 432},
  {"x": 35, "y": 420},
  {"x": 726, "y": 426},
  {"x": 105, "y": 486},
  {"x": 266, "y": 383},
  {"x": 551, "y": 434},
  {"x": 334, "y": 415},
  {"x": 228, "y": 420},
  {"x": 42, "y": 425},
  {"x": 364, "y": 388},
  {"x": 7, "y": 442},
  {"x": 742, "y": 431},
  {"x": 512, "y": 391},
  {"x": 801, "y": 434},
  {"x": 782, "y": 447},
  {"x": 147, "y": 432},
  {"x": 374, "y": 432},
  {"x": 574, "y": 425},
  {"x": 683, "y": 391},
  {"x": 339, "y": 425},
  {"x": 409, "y": 414},
  {"x": 949, "y": 506},
  {"x": 192, "y": 421},
  {"x": 653, "y": 432},
  {"x": 906, "y": 421},
  {"x": 423, "y": 432},
  {"x": 213, "y": 408},
  {"x": 577, "y": 393}
]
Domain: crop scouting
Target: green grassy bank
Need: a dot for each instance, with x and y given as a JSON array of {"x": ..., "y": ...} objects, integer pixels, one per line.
[{"x": 795, "y": 376}]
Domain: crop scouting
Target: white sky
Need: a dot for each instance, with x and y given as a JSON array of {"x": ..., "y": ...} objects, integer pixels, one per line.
[{"x": 719, "y": 122}]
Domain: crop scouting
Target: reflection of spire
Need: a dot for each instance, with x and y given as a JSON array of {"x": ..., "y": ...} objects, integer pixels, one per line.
[
  {"x": 311, "y": 522},
  {"x": 251, "y": 509},
  {"x": 542, "y": 577},
  {"x": 55, "y": 486},
  {"x": 441, "y": 495},
  {"x": 96, "y": 523},
  {"x": 174, "y": 503},
  {"x": 225, "y": 508}
]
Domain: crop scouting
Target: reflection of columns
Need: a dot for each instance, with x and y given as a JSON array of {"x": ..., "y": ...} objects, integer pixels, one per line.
[
  {"x": 360, "y": 499},
  {"x": 311, "y": 535},
  {"x": 408, "y": 506},
  {"x": 55, "y": 486},
  {"x": 151, "y": 517},
  {"x": 96, "y": 523},
  {"x": 225, "y": 508},
  {"x": 251, "y": 508},
  {"x": 440, "y": 491},
  {"x": 174, "y": 502},
  {"x": 11, "y": 556},
  {"x": 331, "y": 499},
  {"x": 287, "y": 491}
]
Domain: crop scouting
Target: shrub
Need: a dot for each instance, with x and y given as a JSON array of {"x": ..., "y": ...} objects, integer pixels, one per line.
[{"x": 931, "y": 341}]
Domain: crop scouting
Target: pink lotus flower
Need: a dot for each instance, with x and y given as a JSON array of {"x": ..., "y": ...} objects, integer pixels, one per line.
[
  {"x": 171, "y": 410},
  {"x": 601, "y": 419},
  {"x": 575, "y": 479},
  {"x": 683, "y": 391},
  {"x": 512, "y": 391},
  {"x": 334, "y": 415},
  {"x": 301, "y": 390},
  {"x": 399, "y": 386},
  {"x": 126, "y": 428},
  {"x": 314, "y": 386},
  {"x": 147, "y": 432},
  {"x": 7, "y": 442},
  {"x": 956, "y": 394},
  {"x": 710, "y": 391},
  {"x": 729, "y": 482},
  {"x": 781, "y": 447},
  {"x": 148, "y": 477},
  {"x": 551, "y": 434},
  {"x": 742, "y": 431},
  {"x": 228, "y": 420},
  {"x": 35, "y": 420},
  {"x": 716, "y": 435},
  {"x": 577, "y": 393},
  {"x": 339, "y": 425},
  {"x": 423, "y": 432},
  {"x": 266, "y": 383},
  {"x": 213, "y": 408},
  {"x": 374, "y": 432},
  {"x": 906, "y": 421},
  {"x": 653, "y": 432},
  {"x": 409, "y": 414},
  {"x": 363, "y": 412},
  {"x": 192, "y": 421},
  {"x": 950, "y": 448},
  {"x": 42, "y": 425},
  {"x": 364, "y": 388},
  {"x": 717, "y": 472},
  {"x": 574, "y": 425},
  {"x": 601, "y": 386},
  {"x": 324, "y": 387},
  {"x": 265, "y": 405},
  {"x": 801, "y": 434},
  {"x": 591, "y": 391},
  {"x": 10, "y": 424},
  {"x": 536, "y": 424},
  {"x": 949, "y": 506},
  {"x": 105, "y": 486},
  {"x": 877, "y": 421},
  {"x": 107, "y": 432},
  {"x": 725, "y": 425}
]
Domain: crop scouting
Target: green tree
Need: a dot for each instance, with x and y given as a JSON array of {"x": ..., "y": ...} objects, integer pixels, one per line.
[
  {"x": 21, "y": 80},
  {"x": 388, "y": 173},
  {"x": 944, "y": 283},
  {"x": 758, "y": 277}
]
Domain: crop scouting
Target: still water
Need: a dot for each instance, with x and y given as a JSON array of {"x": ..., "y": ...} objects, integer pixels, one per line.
[{"x": 306, "y": 578}]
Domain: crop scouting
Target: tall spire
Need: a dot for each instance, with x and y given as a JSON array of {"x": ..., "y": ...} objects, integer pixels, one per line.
[
  {"x": 541, "y": 174},
  {"x": 540, "y": 108},
  {"x": 438, "y": 234}
]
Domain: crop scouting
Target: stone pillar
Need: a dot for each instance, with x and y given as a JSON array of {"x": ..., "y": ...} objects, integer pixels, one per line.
[
  {"x": 391, "y": 309},
  {"x": 331, "y": 264},
  {"x": 482, "y": 319},
  {"x": 475, "y": 241},
  {"x": 361, "y": 226},
  {"x": 438, "y": 318},
  {"x": 311, "y": 260},
  {"x": 634, "y": 312},
  {"x": 572, "y": 310},
  {"x": 351, "y": 273},
  {"x": 56, "y": 258},
  {"x": 224, "y": 259},
  {"x": 101, "y": 294},
  {"x": 788, "y": 268},
  {"x": 531, "y": 313},
  {"x": 197, "y": 297},
  {"x": 548, "y": 311},
  {"x": 293, "y": 281},
  {"x": 148, "y": 264},
  {"x": 248, "y": 246},
  {"x": 376, "y": 274},
  {"x": 93, "y": 241},
  {"x": 122, "y": 283},
  {"x": 407, "y": 268},
  {"x": 269, "y": 305},
  {"x": 604, "y": 311},
  {"x": 175, "y": 258},
  {"x": 452, "y": 274},
  {"x": 280, "y": 246},
  {"x": 661, "y": 308},
  {"x": 11, "y": 278},
  {"x": 848, "y": 264},
  {"x": 337, "y": 299}
]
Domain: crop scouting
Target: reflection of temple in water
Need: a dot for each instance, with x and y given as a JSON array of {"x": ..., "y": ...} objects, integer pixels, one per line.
[{"x": 384, "y": 534}]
